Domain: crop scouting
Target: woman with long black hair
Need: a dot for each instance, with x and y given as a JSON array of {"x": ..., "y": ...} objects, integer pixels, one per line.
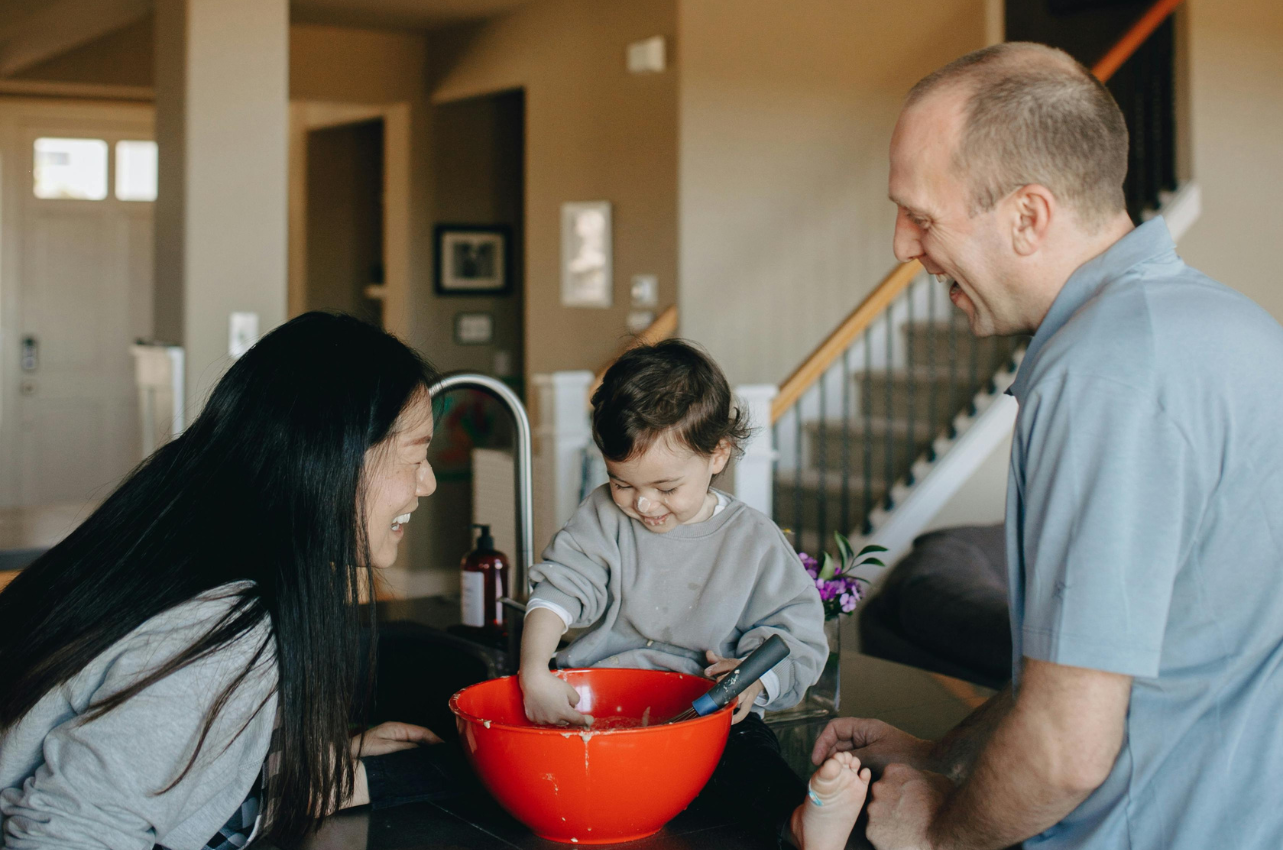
[{"x": 207, "y": 612}]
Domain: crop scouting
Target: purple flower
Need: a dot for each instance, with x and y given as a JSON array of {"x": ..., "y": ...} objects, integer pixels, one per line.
[{"x": 848, "y": 602}]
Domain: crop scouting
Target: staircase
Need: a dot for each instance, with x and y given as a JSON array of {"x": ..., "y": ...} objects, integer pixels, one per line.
[{"x": 835, "y": 473}]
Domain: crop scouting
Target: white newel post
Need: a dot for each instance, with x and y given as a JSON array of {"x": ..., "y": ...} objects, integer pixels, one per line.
[
  {"x": 754, "y": 472},
  {"x": 563, "y": 432}
]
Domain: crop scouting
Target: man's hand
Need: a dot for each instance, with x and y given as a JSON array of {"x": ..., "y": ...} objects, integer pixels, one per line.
[
  {"x": 549, "y": 699},
  {"x": 902, "y": 805},
  {"x": 390, "y": 737},
  {"x": 877, "y": 744},
  {"x": 718, "y": 668}
]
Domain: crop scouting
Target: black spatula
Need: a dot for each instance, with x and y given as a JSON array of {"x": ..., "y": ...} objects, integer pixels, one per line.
[{"x": 733, "y": 683}]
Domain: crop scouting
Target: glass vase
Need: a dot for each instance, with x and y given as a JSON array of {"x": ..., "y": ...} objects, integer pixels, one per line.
[{"x": 823, "y": 697}]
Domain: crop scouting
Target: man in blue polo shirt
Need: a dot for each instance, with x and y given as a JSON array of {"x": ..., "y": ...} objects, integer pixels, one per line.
[{"x": 1145, "y": 503}]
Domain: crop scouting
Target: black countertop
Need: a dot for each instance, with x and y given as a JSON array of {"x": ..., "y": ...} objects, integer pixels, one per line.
[{"x": 474, "y": 821}]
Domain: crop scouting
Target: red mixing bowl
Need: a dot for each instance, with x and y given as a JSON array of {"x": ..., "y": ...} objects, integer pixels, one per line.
[{"x": 618, "y": 781}]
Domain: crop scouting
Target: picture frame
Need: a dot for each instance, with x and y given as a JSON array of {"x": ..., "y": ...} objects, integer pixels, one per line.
[
  {"x": 473, "y": 259},
  {"x": 586, "y": 254}
]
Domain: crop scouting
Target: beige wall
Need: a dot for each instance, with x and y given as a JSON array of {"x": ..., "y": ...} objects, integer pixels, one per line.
[
  {"x": 786, "y": 114},
  {"x": 222, "y": 124},
  {"x": 1236, "y": 66},
  {"x": 593, "y": 132}
]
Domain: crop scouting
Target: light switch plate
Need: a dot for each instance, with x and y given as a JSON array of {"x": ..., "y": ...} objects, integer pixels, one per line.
[
  {"x": 242, "y": 333},
  {"x": 646, "y": 56},
  {"x": 645, "y": 291}
]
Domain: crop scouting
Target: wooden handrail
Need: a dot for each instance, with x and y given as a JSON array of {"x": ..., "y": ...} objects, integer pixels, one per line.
[
  {"x": 664, "y": 327},
  {"x": 1134, "y": 38},
  {"x": 841, "y": 338}
]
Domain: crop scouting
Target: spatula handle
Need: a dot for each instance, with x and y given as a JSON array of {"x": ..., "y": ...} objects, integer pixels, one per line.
[{"x": 749, "y": 671}]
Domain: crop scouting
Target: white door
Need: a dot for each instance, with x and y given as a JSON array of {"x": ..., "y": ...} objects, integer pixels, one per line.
[{"x": 78, "y": 282}]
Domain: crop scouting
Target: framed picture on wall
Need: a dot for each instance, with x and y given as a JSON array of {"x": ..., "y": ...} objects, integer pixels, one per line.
[
  {"x": 473, "y": 260},
  {"x": 586, "y": 254}
]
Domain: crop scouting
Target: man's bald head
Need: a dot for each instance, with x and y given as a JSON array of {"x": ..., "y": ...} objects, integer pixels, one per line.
[{"x": 1031, "y": 114}]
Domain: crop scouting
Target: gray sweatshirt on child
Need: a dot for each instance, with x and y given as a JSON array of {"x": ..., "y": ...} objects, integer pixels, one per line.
[{"x": 658, "y": 601}]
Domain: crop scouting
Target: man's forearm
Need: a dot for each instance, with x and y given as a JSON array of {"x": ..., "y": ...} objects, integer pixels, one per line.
[
  {"x": 1049, "y": 750},
  {"x": 1005, "y": 797},
  {"x": 956, "y": 752}
]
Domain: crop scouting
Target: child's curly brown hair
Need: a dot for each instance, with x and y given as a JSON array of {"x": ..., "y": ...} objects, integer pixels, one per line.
[{"x": 671, "y": 385}]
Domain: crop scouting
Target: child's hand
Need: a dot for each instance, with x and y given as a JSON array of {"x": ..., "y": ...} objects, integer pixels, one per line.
[
  {"x": 549, "y": 700},
  {"x": 719, "y": 667}
]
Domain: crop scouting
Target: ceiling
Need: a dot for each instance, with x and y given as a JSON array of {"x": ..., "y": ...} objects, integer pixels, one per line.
[{"x": 32, "y": 31}]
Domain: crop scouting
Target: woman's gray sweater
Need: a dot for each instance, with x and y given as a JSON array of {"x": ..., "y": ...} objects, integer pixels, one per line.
[
  {"x": 102, "y": 783},
  {"x": 659, "y": 601}
]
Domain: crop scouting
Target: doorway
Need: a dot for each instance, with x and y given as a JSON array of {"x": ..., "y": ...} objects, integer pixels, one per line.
[
  {"x": 349, "y": 211},
  {"x": 78, "y": 185},
  {"x": 345, "y": 220}
]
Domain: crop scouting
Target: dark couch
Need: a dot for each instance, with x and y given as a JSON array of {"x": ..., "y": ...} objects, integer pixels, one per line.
[{"x": 943, "y": 607}]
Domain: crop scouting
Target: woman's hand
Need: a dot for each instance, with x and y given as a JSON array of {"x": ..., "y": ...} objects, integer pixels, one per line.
[
  {"x": 389, "y": 738},
  {"x": 550, "y": 700},
  {"x": 719, "y": 667}
]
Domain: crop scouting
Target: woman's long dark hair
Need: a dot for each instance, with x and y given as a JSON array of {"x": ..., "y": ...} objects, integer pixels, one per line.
[{"x": 265, "y": 486}]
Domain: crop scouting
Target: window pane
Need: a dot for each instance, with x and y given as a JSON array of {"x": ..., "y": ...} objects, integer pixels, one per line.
[
  {"x": 71, "y": 168},
  {"x": 136, "y": 171}
]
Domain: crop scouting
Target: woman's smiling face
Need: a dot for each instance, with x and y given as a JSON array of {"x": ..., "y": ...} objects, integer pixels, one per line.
[
  {"x": 666, "y": 485},
  {"x": 397, "y": 476}
]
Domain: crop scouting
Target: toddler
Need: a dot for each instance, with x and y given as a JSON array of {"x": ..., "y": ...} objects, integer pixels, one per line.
[{"x": 667, "y": 573}]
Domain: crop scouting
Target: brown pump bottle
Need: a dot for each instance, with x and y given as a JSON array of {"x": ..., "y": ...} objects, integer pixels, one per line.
[{"x": 483, "y": 581}]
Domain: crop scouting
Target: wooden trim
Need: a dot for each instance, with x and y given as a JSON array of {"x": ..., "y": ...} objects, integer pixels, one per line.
[
  {"x": 852, "y": 326},
  {"x": 664, "y": 327},
  {"x": 1133, "y": 39},
  {"x": 77, "y": 91}
]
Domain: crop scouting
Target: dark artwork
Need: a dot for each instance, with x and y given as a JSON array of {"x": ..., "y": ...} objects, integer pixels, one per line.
[{"x": 475, "y": 260}]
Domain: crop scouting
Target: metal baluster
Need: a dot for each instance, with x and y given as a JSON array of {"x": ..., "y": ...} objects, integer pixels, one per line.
[
  {"x": 991, "y": 365},
  {"x": 846, "y": 442},
  {"x": 953, "y": 371},
  {"x": 912, "y": 445},
  {"x": 777, "y": 514},
  {"x": 821, "y": 462},
  {"x": 866, "y": 400},
  {"x": 973, "y": 382},
  {"x": 797, "y": 476},
  {"x": 889, "y": 464},
  {"x": 931, "y": 367},
  {"x": 1167, "y": 109}
]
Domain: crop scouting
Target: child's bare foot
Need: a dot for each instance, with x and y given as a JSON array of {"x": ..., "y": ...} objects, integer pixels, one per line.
[{"x": 834, "y": 797}]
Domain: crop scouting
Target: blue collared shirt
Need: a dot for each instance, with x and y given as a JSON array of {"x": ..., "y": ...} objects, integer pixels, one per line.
[{"x": 1145, "y": 537}]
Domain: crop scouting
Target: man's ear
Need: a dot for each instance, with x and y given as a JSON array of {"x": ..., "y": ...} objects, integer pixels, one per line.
[
  {"x": 1032, "y": 209},
  {"x": 721, "y": 456}
]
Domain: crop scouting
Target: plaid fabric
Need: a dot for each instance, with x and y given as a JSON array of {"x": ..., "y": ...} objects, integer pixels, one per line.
[{"x": 235, "y": 834}]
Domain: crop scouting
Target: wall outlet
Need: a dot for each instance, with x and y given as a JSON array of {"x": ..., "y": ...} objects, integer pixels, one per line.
[{"x": 242, "y": 333}]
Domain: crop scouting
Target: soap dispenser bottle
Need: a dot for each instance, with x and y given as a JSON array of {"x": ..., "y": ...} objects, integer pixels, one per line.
[{"x": 483, "y": 580}]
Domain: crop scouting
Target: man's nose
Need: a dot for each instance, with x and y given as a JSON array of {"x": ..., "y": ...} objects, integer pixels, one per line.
[{"x": 905, "y": 243}]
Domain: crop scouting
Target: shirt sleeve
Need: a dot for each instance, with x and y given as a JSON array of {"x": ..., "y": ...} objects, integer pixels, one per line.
[
  {"x": 109, "y": 782},
  {"x": 785, "y": 603},
  {"x": 574, "y": 574},
  {"x": 1110, "y": 503}
]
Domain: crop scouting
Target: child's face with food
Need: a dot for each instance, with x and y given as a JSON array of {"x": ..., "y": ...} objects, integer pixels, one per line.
[{"x": 666, "y": 485}]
